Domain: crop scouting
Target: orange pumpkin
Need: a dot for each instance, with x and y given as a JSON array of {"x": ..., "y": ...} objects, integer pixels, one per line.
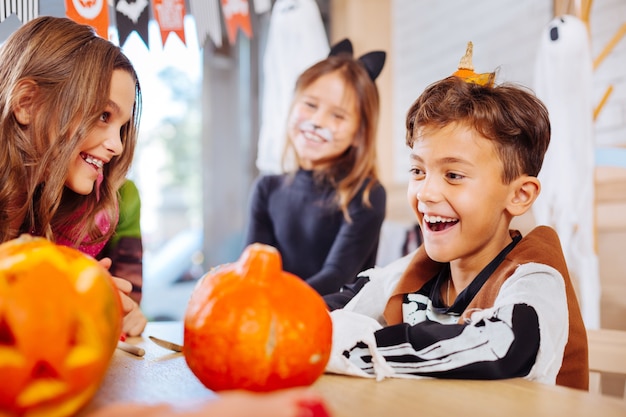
[
  {"x": 60, "y": 320},
  {"x": 466, "y": 70},
  {"x": 250, "y": 325}
]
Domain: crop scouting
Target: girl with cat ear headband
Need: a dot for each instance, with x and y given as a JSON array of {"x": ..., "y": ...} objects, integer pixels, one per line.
[{"x": 325, "y": 212}]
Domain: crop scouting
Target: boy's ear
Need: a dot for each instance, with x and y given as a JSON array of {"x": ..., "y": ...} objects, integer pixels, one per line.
[
  {"x": 23, "y": 101},
  {"x": 525, "y": 191}
]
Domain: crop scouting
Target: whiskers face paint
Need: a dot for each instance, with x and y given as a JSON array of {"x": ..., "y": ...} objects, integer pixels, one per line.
[{"x": 313, "y": 132}]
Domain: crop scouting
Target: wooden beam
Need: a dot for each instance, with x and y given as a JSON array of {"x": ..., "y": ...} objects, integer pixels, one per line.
[
  {"x": 609, "y": 46},
  {"x": 561, "y": 7},
  {"x": 585, "y": 11},
  {"x": 600, "y": 105}
]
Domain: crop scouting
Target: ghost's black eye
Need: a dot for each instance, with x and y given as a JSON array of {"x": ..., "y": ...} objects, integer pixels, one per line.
[{"x": 554, "y": 33}]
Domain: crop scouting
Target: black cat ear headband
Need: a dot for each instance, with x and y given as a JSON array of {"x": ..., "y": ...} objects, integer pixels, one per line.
[{"x": 372, "y": 61}]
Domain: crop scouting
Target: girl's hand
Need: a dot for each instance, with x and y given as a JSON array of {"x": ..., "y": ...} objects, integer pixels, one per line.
[
  {"x": 124, "y": 287},
  {"x": 134, "y": 321}
]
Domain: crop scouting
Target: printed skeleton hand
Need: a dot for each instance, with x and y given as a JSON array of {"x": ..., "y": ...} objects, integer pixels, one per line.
[{"x": 350, "y": 329}]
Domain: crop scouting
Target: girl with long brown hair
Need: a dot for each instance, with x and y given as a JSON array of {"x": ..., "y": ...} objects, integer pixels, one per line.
[{"x": 69, "y": 114}]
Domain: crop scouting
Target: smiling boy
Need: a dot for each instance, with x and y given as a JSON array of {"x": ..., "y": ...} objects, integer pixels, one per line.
[{"x": 477, "y": 300}]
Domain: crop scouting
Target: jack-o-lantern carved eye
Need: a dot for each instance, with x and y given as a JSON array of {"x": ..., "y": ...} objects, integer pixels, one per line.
[
  {"x": 84, "y": 347},
  {"x": 60, "y": 320},
  {"x": 73, "y": 338},
  {"x": 7, "y": 338}
]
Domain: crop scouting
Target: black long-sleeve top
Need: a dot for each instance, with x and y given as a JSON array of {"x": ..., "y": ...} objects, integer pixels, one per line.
[{"x": 298, "y": 216}]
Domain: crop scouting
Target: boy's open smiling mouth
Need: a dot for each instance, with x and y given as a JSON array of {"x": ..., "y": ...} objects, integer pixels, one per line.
[{"x": 438, "y": 223}]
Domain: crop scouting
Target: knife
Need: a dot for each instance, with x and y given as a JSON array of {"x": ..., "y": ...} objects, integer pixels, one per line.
[{"x": 165, "y": 344}]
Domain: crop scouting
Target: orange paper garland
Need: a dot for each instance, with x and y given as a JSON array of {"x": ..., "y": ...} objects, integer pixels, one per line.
[
  {"x": 170, "y": 15},
  {"x": 237, "y": 15},
  {"x": 94, "y": 13}
]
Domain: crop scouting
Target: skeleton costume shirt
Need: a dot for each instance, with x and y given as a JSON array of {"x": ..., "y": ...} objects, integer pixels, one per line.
[
  {"x": 299, "y": 216},
  {"x": 518, "y": 318}
]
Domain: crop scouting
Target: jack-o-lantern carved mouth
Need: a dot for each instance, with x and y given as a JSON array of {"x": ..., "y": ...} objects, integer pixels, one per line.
[
  {"x": 47, "y": 378},
  {"x": 43, "y": 369}
]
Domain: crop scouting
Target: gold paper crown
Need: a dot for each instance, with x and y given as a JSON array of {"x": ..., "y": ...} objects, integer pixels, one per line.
[{"x": 466, "y": 70}]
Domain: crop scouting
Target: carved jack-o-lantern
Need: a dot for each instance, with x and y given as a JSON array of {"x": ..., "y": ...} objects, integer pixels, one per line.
[{"x": 60, "y": 319}]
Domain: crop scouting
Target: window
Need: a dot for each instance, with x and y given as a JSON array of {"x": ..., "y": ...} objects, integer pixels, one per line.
[{"x": 167, "y": 167}]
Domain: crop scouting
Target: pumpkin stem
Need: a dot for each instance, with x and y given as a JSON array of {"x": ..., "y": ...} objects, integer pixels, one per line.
[
  {"x": 466, "y": 60},
  {"x": 260, "y": 261}
]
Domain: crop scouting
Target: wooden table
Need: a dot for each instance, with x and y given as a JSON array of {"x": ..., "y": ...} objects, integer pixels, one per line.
[{"x": 163, "y": 376}]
